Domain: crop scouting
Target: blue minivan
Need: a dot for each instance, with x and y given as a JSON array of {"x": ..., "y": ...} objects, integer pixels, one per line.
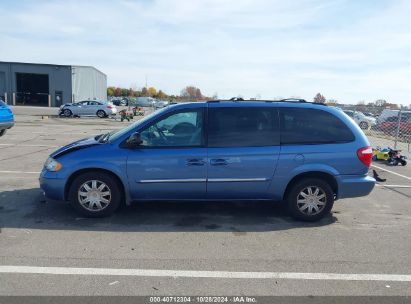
[
  {"x": 304, "y": 154},
  {"x": 6, "y": 118}
]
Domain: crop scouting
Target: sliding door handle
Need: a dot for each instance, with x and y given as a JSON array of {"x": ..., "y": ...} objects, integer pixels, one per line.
[
  {"x": 195, "y": 162},
  {"x": 218, "y": 162}
]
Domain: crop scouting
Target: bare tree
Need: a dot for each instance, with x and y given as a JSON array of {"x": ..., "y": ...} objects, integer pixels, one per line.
[{"x": 319, "y": 98}]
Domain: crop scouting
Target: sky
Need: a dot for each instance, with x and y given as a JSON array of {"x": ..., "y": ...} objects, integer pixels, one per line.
[{"x": 348, "y": 50}]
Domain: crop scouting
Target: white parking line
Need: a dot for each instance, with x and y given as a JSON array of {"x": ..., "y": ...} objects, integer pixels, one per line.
[
  {"x": 393, "y": 186},
  {"x": 21, "y": 172},
  {"x": 204, "y": 274},
  {"x": 392, "y": 172}
]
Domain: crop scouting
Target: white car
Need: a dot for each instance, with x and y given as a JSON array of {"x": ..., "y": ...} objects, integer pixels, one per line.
[
  {"x": 88, "y": 108},
  {"x": 365, "y": 122}
]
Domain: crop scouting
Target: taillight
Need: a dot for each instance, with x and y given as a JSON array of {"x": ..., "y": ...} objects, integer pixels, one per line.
[
  {"x": 109, "y": 107},
  {"x": 365, "y": 155}
]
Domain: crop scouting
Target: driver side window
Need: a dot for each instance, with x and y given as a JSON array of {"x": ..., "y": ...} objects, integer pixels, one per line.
[{"x": 182, "y": 129}]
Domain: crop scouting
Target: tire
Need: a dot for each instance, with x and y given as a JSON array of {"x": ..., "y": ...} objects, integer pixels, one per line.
[
  {"x": 364, "y": 125},
  {"x": 101, "y": 114},
  {"x": 111, "y": 189},
  {"x": 67, "y": 113},
  {"x": 403, "y": 162},
  {"x": 2, "y": 132},
  {"x": 299, "y": 211}
]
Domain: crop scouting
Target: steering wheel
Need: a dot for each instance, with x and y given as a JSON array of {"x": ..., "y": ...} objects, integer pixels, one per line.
[
  {"x": 160, "y": 132},
  {"x": 183, "y": 127}
]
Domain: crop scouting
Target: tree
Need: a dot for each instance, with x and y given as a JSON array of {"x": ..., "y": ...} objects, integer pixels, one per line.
[
  {"x": 332, "y": 102},
  {"x": 110, "y": 91},
  {"x": 152, "y": 91},
  {"x": 191, "y": 92},
  {"x": 131, "y": 92},
  {"x": 161, "y": 95},
  {"x": 124, "y": 92},
  {"x": 319, "y": 98},
  {"x": 117, "y": 92},
  {"x": 144, "y": 92},
  {"x": 199, "y": 96}
]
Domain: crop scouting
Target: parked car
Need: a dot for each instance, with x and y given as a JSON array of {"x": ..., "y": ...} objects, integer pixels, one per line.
[
  {"x": 365, "y": 122},
  {"x": 120, "y": 102},
  {"x": 390, "y": 126},
  {"x": 386, "y": 113},
  {"x": 88, "y": 108},
  {"x": 6, "y": 118},
  {"x": 220, "y": 150},
  {"x": 161, "y": 104},
  {"x": 145, "y": 101}
]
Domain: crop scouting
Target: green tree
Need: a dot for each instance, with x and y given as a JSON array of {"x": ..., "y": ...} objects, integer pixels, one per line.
[{"x": 110, "y": 91}]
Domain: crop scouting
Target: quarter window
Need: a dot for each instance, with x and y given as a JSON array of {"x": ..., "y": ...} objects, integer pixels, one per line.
[
  {"x": 182, "y": 129},
  {"x": 243, "y": 127},
  {"x": 309, "y": 126}
]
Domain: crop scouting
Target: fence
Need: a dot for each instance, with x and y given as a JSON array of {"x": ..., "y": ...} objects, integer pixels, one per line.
[{"x": 385, "y": 128}]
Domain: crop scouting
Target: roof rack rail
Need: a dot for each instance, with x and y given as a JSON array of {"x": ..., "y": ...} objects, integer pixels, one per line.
[
  {"x": 237, "y": 99},
  {"x": 292, "y": 100}
]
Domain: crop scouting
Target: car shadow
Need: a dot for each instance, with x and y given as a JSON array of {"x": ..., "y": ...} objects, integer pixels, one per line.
[{"x": 27, "y": 208}]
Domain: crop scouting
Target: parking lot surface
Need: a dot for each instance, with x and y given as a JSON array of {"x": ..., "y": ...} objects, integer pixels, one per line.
[{"x": 362, "y": 248}]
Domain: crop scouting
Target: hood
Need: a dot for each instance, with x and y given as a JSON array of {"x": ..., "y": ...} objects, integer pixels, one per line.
[{"x": 80, "y": 144}]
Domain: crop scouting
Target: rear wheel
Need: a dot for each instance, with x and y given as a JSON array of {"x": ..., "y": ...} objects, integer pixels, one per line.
[
  {"x": 95, "y": 194},
  {"x": 67, "y": 113},
  {"x": 310, "y": 199},
  {"x": 101, "y": 114},
  {"x": 2, "y": 132}
]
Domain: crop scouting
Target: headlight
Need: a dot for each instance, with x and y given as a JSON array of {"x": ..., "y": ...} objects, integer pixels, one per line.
[{"x": 52, "y": 165}]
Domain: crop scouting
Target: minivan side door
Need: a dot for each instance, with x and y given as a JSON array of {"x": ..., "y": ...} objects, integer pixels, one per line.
[
  {"x": 243, "y": 150},
  {"x": 171, "y": 161}
]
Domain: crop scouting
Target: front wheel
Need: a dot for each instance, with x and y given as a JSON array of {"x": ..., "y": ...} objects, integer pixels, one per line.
[
  {"x": 67, "y": 113},
  {"x": 364, "y": 125},
  {"x": 95, "y": 194},
  {"x": 310, "y": 199},
  {"x": 2, "y": 132}
]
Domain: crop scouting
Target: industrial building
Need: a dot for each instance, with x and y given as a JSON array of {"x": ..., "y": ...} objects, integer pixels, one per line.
[{"x": 50, "y": 84}]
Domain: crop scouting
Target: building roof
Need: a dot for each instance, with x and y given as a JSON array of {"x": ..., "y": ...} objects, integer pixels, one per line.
[{"x": 51, "y": 64}]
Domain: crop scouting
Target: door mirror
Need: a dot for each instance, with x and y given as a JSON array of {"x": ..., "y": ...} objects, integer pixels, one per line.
[{"x": 134, "y": 140}]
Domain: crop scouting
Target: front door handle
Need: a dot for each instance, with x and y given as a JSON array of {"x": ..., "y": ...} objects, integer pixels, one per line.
[
  {"x": 195, "y": 162},
  {"x": 218, "y": 162}
]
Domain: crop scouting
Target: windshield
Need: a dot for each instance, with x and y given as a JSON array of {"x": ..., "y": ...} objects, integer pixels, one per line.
[
  {"x": 2, "y": 104},
  {"x": 118, "y": 133}
]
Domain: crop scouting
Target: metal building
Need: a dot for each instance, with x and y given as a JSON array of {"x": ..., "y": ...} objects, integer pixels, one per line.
[{"x": 50, "y": 84}]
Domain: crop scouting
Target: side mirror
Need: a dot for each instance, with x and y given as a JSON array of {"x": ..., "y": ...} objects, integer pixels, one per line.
[{"x": 134, "y": 140}]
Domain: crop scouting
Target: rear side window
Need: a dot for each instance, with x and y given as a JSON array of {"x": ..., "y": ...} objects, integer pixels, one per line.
[
  {"x": 310, "y": 126},
  {"x": 2, "y": 104},
  {"x": 243, "y": 127}
]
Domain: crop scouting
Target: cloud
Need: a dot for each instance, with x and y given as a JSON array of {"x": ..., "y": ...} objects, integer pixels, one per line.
[{"x": 346, "y": 49}]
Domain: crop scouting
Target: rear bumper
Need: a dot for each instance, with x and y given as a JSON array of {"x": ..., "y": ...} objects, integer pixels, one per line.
[
  {"x": 354, "y": 186},
  {"x": 52, "y": 186},
  {"x": 6, "y": 125}
]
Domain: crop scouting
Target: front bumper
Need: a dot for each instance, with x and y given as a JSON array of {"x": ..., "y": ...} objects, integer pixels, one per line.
[
  {"x": 354, "y": 185},
  {"x": 6, "y": 125},
  {"x": 52, "y": 186}
]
